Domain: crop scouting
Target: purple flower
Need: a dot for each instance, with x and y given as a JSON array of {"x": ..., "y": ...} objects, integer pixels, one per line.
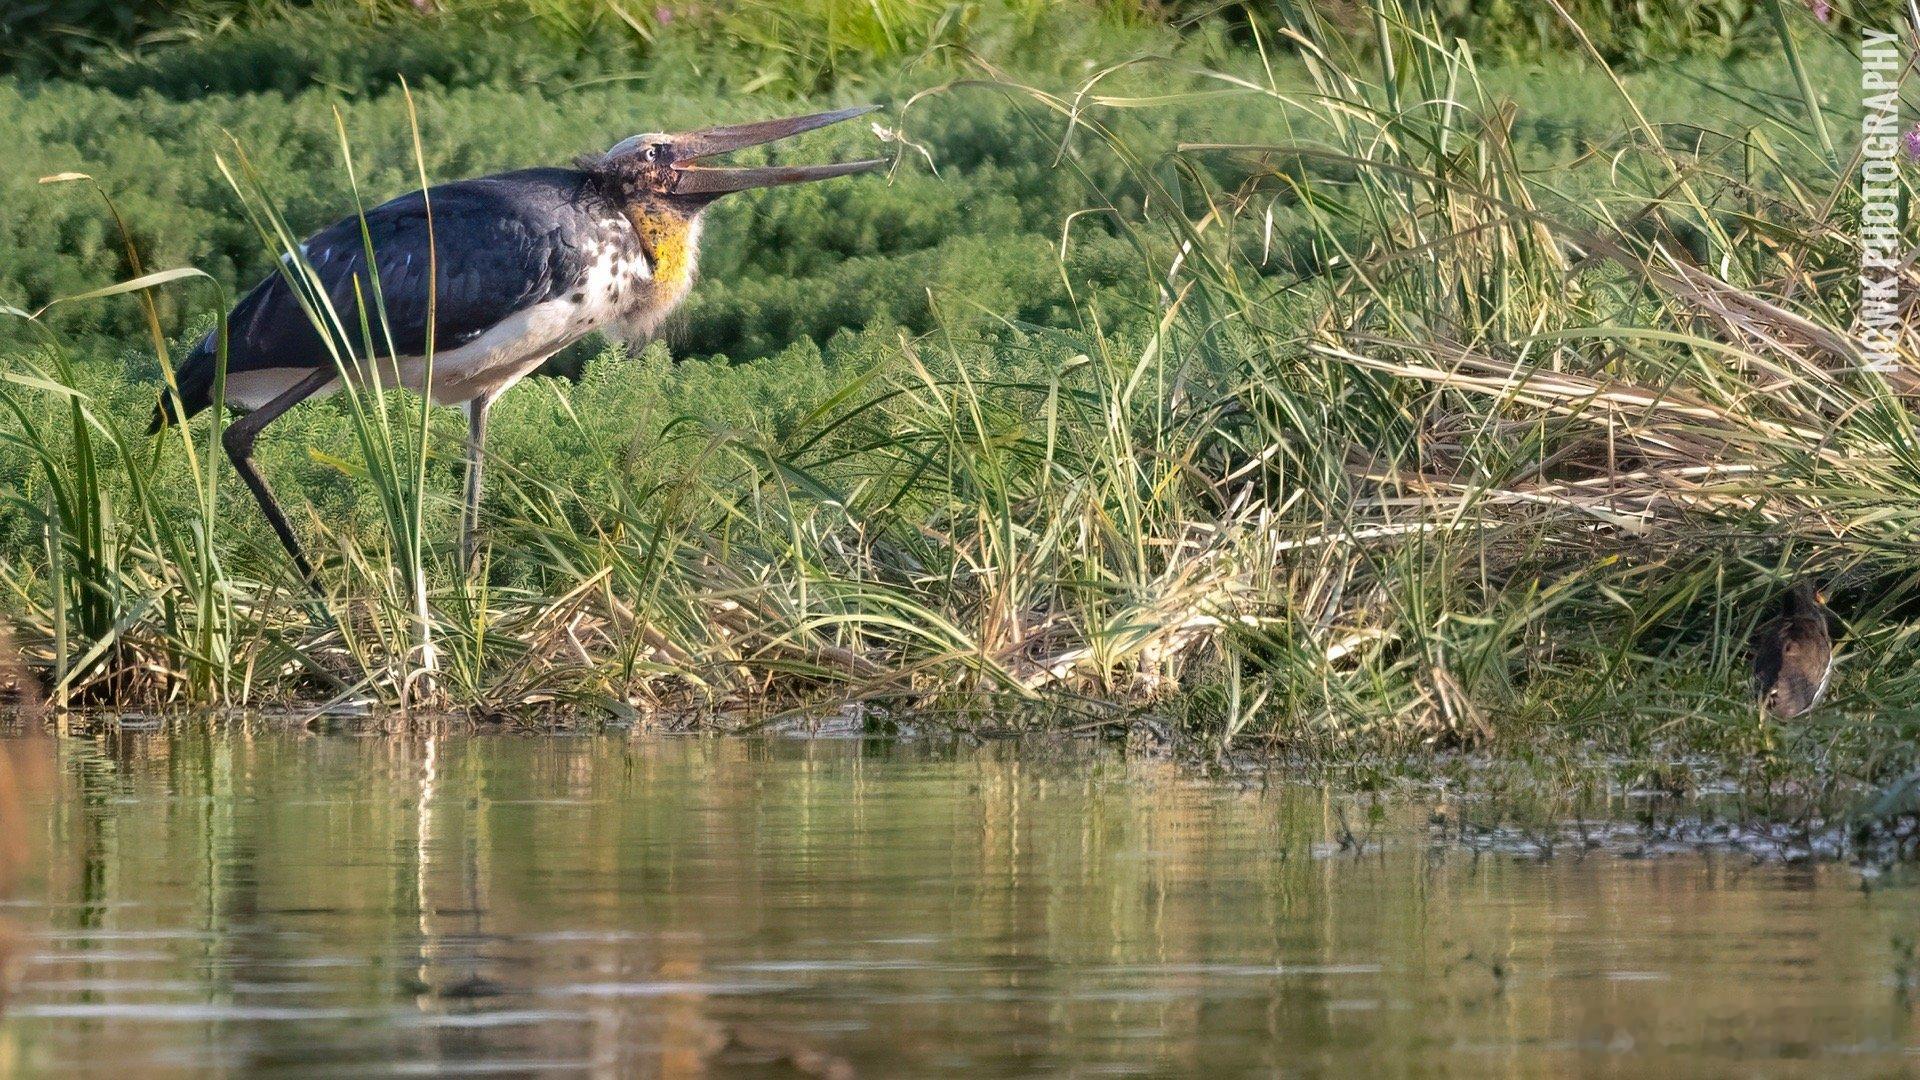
[
  {"x": 1911, "y": 140},
  {"x": 1822, "y": 9},
  {"x": 663, "y": 15}
]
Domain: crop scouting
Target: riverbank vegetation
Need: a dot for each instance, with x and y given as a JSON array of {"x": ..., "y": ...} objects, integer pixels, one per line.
[{"x": 1279, "y": 380}]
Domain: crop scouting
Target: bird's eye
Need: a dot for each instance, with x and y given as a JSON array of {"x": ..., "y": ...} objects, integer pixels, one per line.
[{"x": 652, "y": 152}]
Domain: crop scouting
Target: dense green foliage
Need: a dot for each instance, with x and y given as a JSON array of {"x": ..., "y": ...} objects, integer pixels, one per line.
[
  {"x": 807, "y": 47},
  {"x": 810, "y": 283},
  {"x": 778, "y": 267}
]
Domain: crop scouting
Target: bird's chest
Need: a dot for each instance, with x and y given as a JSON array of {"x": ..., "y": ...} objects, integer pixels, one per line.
[{"x": 641, "y": 270}]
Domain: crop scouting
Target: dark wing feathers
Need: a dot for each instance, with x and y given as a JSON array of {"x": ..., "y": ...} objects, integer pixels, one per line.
[{"x": 499, "y": 244}]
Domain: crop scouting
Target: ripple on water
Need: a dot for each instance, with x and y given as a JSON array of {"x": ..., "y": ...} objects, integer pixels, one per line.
[{"x": 438, "y": 904}]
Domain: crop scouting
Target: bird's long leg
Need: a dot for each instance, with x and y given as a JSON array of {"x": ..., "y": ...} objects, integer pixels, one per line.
[
  {"x": 238, "y": 440},
  {"x": 476, "y": 447}
]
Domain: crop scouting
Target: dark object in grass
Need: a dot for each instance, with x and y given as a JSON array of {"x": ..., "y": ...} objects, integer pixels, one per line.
[
  {"x": 509, "y": 269},
  {"x": 1793, "y": 655}
]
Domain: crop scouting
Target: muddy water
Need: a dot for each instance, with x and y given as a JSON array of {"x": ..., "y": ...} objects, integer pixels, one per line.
[{"x": 249, "y": 901}]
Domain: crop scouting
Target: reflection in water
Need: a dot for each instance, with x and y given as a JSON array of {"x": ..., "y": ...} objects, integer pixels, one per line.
[
  {"x": 249, "y": 899},
  {"x": 26, "y": 766}
]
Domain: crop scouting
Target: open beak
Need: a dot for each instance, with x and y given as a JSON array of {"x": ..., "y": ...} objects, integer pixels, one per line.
[{"x": 693, "y": 178}]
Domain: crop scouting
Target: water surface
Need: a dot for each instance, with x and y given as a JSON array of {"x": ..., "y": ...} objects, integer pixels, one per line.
[{"x": 253, "y": 900}]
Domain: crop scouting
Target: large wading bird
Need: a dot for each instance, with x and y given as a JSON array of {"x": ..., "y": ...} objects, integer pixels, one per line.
[
  {"x": 524, "y": 264},
  {"x": 1793, "y": 655}
]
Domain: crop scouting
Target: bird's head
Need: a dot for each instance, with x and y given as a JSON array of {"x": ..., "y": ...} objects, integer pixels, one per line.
[{"x": 668, "y": 170}]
